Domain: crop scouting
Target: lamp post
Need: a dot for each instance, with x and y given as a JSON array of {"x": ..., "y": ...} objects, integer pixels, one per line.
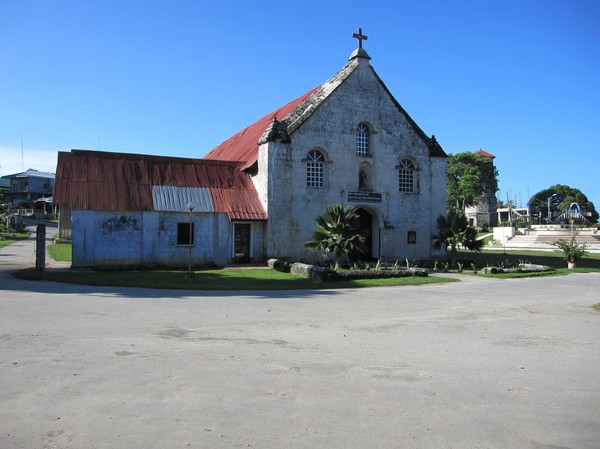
[
  {"x": 189, "y": 276},
  {"x": 549, "y": 216},
  {"x": 572, "y": 223}
]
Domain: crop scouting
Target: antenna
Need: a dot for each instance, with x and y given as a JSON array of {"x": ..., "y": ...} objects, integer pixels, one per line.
[{"x": 22, "y": 164}]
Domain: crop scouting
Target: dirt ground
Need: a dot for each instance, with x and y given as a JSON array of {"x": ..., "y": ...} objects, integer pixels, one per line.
[{"x": 482, "y": 363}]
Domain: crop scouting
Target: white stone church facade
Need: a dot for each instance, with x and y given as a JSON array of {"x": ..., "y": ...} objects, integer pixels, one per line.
[{"x": 348, "y": 142}]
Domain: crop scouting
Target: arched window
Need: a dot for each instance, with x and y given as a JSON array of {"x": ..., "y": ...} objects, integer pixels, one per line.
[
  {"x": 314, "y": 169},
  {"x": 406, "y": 176},
  {"x": 362, "y": 140}
]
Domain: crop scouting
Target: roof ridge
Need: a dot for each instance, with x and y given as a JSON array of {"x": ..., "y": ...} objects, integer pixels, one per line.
[
  {"x": 243, "y": 146},
  {"x": 304, "y": 110},
  {"x": 148, "y": 157}
]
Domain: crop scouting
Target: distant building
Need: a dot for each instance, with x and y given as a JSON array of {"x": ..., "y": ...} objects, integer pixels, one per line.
[
  {"x": 4, "y": 186},
  {"x": 28, "y": 186},
  {"x": 484, "y": 213},
  {"x": 256, "y": 195}
]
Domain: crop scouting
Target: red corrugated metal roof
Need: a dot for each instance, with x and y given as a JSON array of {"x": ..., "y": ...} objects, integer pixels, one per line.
[
  {"x": 95, "y": 180},
  {"x": 485, "y": 154},
  {"x": 243, "y": 146}
]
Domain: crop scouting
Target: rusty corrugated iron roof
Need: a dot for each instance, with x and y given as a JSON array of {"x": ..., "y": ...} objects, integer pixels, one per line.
[
  {"x": 243, "y": 146},
  {"x": 96, "y": 180}
]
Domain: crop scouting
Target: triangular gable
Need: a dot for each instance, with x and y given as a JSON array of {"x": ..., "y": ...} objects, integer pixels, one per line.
[
  {"x": 243, "y": 146},
  {"x": 435, "y": 149}
]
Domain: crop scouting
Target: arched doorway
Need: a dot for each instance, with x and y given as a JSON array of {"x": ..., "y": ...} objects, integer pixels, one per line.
[{"x": 368, "y": 228}]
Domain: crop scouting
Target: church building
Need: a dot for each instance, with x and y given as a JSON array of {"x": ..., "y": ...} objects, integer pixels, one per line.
[{"x": 257, "y": 194}]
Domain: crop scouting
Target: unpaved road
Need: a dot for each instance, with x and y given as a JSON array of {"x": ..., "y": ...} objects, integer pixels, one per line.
[{"x": 483, "y": 363}]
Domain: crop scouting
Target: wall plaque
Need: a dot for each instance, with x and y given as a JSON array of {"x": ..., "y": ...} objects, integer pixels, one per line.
[{"x": 364, "y": 197}]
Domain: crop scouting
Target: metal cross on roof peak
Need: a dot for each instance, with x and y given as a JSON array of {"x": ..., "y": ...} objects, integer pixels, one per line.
[{"x": 360, "y": 37}]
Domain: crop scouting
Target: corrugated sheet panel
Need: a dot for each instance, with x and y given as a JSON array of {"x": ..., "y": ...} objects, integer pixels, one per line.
[
  {"x": 176, "y": 199},
  {"x": 239, "y": 205},
  {"x": 62, "y": 180},
  {"x": 95, "y": 180}
]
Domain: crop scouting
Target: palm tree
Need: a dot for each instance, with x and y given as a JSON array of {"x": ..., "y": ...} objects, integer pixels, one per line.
[
  {"x": 454, "y": 230},
  {"x": 336, "y": 233}
]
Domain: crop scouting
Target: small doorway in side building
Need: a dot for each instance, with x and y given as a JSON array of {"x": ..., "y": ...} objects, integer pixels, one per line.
[{"x": 241, "y": 245}]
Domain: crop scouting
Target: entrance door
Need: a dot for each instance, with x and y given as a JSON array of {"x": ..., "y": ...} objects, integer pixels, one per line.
[
  {"x": 241, "y": 250},
  {"x": 365, "y": 227}
]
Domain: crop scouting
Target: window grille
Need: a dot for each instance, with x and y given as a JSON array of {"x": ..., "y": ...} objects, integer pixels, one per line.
[
  {"x": 362, "y": 140},
  {"x": 314, "y": 169},
  {"x": 406, "y": 177}
]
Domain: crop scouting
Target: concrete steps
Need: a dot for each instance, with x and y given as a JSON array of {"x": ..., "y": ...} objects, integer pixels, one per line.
[{"x": 544, "y": 240}]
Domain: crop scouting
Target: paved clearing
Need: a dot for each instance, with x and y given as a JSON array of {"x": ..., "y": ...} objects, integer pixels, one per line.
[{"x": 483, "y": 363}]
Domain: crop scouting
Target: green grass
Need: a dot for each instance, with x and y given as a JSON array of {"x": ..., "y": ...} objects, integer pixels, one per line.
[
  {"x": 552, "y": 259},
  {"x": 60, "y": 252},
  {"x": 489, "y": 237},
  {"x": 8, "y": 238},
  {"x": 215, "y": 279},
  {"x": 597, "y": 307},
  {"x": 265, "y": 279}
]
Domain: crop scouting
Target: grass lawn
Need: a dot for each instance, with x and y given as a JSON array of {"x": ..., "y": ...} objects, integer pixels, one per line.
[
  {"x": 214, "y": 279},
  {"x": 266, "y": 279},
  {"x": 553, "y": 259},
  {"x": 8, "y": 238},
  {"x": 60, "y": 252},
  {"x": 217, "y": 279}
]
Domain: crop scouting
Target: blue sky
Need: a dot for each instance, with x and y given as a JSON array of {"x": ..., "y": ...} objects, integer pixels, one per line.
[{"x": 520, "y": 79}]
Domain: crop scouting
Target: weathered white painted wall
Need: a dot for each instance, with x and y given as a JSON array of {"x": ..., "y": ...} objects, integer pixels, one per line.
[{"x": 106, "y": 239}]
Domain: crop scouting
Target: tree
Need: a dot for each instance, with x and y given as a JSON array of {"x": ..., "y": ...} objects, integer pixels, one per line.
[
  {"x": 470, "y": 175},
  {"x": 561, "y": 197},
  {"x": 336, "y": 233},
  {"x": 454, "y": 231}
]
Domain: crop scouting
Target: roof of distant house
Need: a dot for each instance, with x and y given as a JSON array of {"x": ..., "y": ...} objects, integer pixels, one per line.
[
  {"x": 96, "y": 180},
  {"x": 30, "y": 173},
  {"x": 485, "y": 154}
]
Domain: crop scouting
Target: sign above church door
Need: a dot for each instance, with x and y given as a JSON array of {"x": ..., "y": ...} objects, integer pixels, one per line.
[{"x": 364, "y": 197}]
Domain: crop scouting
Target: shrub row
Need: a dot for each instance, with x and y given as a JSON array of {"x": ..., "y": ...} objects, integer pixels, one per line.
[{"x": 326, "y": 274}]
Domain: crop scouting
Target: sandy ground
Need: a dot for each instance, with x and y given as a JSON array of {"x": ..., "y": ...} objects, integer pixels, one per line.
[{"x": 483, "y": 363}]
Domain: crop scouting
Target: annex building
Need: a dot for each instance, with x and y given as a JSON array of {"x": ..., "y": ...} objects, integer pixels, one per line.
[{"x": 256, "y": 195}]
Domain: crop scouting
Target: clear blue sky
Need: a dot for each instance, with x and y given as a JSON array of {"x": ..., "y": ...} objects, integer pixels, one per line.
[{"x": 520, "y": 79}]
